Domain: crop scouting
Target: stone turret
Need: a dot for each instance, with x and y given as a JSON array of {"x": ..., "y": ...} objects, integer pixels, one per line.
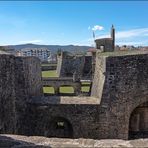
[
  {"x": 113, "y": 36},
  {"x": 106, "y": 44}
]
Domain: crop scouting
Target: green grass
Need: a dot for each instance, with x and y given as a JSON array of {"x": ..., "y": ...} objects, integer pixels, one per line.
[
  {"x": 85, "y": 83},
  {"x": 50, "y": 73},
  {"x": 66, "y": 89},
  {"x": 44, "y": 64},
  {"x": 85, "y": 89},
  {"x": 49, "y": 90}
]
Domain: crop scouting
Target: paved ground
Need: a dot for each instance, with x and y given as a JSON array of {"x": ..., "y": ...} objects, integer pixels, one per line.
[
  {"x": 65, "y": 100},
  {"x": 17, "y": 141}
]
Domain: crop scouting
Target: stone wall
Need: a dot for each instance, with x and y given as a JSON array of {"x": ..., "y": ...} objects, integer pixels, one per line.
[
  {"x": 120, "y": 86},
  {"x": 69, "y": 64},
  {"x": 80, "y": 120},
  {"x": 87, "y": 69},
  {"x": 20, "y": 79},
  {"x": 59, "y": 63},
  {"x": 27, "y": 84},
  {"x": 125, "y": 87},
  {"x": 105, "y": 45},
  {"x": 7, "y": 94},
  {"x": 99, "y": 77}
]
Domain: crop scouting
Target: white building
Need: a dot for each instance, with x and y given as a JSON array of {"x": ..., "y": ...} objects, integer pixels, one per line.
[{"x": 41, "y": 53}]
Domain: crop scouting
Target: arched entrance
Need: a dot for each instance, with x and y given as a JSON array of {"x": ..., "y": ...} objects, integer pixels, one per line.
[
  {"x": 138, "y": 123},
  {"x": 60, "y": 127}
]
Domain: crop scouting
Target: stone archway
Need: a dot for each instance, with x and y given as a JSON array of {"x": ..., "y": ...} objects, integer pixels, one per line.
[
  {"x": 60, "y": 127},
  {"x": 138, "y": 123}
]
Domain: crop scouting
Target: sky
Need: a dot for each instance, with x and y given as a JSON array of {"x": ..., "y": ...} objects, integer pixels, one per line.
[{"x": 73, "y": 22}]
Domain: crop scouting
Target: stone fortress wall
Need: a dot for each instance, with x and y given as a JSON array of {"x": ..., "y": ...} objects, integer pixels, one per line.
[
  {"x": 117, "y": 107},
  {"x": 7, "y": 94},
  {"x": 20, "y": 78},
  {"x": 69, "y": 64},
  {"x": 122, "y": 87}
]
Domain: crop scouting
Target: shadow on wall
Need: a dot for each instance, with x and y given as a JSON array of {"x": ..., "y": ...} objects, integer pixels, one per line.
[{"x": 7, "y": 142}]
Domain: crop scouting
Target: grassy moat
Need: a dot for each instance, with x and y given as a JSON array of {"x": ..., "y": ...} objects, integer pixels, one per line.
[
  {"x": 50, "y": 73},
  {"x": 68, "y": 89}
]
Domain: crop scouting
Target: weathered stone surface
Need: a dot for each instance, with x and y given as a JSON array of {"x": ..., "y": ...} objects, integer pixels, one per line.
[
  {"x": 125, "y": 87},
  {"x": 7, "y": 94},
  {"x": 20, "y": 78},
  {"x": 64, "y": 100},
  {"x": 117, "y": 108},
  {"x": 70, "y": 64},
  {"x": 16, "y": 141},
  {"x": 106, "y": 44},
  {"x": 27, "y": 83}
]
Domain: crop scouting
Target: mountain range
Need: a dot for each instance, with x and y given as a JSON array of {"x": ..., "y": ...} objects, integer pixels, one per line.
[{"x": 53, "y": 48}]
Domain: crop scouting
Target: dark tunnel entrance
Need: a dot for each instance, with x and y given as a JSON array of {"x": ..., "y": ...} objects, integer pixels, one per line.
[
  {"x": 138, "y": 124},
  {"x": 60, "y": 127}
]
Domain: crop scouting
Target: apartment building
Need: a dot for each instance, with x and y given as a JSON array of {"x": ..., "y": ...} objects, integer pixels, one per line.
[{"x": 42, "y": 53}]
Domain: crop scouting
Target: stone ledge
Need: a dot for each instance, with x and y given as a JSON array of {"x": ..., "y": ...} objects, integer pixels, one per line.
[
  {"x": 18, "y": 141},
  {"x": 64, "y": 100}
]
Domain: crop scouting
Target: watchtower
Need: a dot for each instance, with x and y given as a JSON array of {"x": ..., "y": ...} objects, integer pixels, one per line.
[{"x": 106, "y": 44}]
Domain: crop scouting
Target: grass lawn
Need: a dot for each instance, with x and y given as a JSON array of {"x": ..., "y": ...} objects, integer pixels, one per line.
[
  {"x": 63, "y": 89},
  {"x": 67, "y": 89},
  {"x": 85, "y": 89},
  {"x": 49, "y": 90},
  {"x": 44, "y": 64},
  {"x": 85, "y": 82},
  {"x": 50, "y": 73}
]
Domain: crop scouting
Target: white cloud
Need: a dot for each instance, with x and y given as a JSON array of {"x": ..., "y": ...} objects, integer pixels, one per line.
[
  {"x": 135, "y": 37},
  {"x": 132, "y": 33},
  {"x": 30, "y": 41},
  {"x": 97, "y": 27},
  {"x": 129, "y": 33}
]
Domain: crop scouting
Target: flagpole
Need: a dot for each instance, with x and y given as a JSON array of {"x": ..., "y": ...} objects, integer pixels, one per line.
[{"x": 94, "y": 38}]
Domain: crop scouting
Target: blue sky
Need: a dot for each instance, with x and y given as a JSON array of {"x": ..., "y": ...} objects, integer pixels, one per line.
[{"x": 65, "y": 23}]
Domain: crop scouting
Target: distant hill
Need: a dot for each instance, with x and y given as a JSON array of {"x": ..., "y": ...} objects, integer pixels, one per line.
[{"x": 53, "y": 48}]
